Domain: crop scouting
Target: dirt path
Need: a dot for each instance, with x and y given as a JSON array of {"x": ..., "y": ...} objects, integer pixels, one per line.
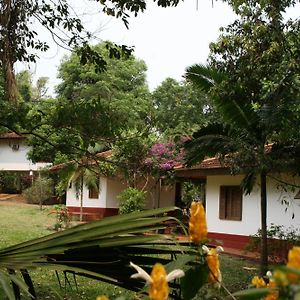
[{"x": 12, "y": 199}]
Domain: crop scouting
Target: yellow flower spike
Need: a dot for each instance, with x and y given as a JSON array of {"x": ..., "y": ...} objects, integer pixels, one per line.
[
  {"x": 294, "y": 262},
  {"x": 212, "y": 259},
  {"x": 280, "y": 278},
  {"x": 274, "y": 293},
  {"x": 197, "y": 223},
  {"x": 159, "y": 288},
  {"x": 102, "y": 298},
  {"x": 258, "y": 282},
  {"x": 158, "y": 280}
]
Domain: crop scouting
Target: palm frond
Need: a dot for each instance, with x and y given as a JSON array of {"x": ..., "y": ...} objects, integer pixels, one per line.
[
  {"x": 234, "y": 111},
  {"x": 203, "y": 76},
  {"x": 101, "y": 249},
  {"x": 248, "y": 182},
  {"x": 210, "y": 140}
]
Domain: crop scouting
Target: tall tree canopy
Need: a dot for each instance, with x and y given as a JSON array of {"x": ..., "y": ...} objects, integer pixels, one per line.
[
  {"x": 19, "y": 40},
  {"x": 180, "y": 108},
  {"x": 95, "y": 107},
  {"x": 253, "y": 80}
]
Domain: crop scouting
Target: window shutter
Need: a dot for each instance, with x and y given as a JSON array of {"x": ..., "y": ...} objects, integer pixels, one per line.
[
  {"x": 237, "y": 203},
  {"x": 222, "y": 203},
  {"x": 93, "y": 193}
]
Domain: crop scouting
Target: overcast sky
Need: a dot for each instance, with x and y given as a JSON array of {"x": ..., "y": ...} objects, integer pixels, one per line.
[{"x": 167, "y": 39}]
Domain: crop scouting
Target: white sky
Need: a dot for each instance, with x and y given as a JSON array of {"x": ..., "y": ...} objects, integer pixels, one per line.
[{"x": 167, "y": 39}]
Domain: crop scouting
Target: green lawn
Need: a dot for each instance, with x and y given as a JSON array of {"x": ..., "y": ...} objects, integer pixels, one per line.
[{"x": 24, "y": 222}]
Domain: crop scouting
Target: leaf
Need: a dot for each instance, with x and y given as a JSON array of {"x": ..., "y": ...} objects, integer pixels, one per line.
[
  {"x": 193, "y": 280},
  {"x": 180, "y": 262},
  {"x": 7, "y": 287},
  {"x": 252, "y": 293}
]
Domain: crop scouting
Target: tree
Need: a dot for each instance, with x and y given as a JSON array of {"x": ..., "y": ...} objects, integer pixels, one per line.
[
  {"x": 180, "y": 108},
  {"x": 79, "y": 174},
  {"x": 253, "y": 81},
  {"x": 19, "y": 40},
  {"x": 92, "y": 109}
]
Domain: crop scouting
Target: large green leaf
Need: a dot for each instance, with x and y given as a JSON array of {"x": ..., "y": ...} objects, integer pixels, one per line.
[
  {"x": 195, "y": 277},
  {"x": 101, "y": 250},
  {"x": 252, "y": 294}
]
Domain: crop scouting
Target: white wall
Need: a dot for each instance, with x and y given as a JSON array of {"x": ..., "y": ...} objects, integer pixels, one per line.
[
  {"x": 250, "y": 222},
  {"x": 72, "y": 200},
  {"x": 114, "y": 187},
  {"x": 110, "y": 188},
  {"x": 16, "y": 160}
]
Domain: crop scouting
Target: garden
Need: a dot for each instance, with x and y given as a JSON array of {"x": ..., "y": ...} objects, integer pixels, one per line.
[
  {"x": 58, "y": 266},
  {"x": 21, "y": 222}
]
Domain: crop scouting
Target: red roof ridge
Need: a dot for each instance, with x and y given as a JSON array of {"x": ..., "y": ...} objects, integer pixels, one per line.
[{"x": 11, "y": 135}]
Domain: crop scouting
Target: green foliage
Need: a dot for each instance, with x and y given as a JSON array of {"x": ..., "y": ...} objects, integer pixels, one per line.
[
  {"x": 131, "y": 200},
  {"x": 8, "y": 182},
  {"x": 253, "y": 80},
  {"x": 63, "y": 218},
  {"x": 191, "y": 192},
  {"x": 180, "y": 108},
  {"x": 130, "y": 153},
  {"x": 92, "y": 108},
  {"x": 13, "y": 182},
  {"x": 40, "y": 191},
  {"x": 113, "y": 241},
  {"x": 123, "y": 8}
]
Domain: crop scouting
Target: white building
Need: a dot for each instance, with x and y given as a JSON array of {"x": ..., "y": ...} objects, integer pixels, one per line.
[
  {"x": 103, "y": 202},
  {"x": 232, "y": 216},
  {"x": 13, "y": 154}
]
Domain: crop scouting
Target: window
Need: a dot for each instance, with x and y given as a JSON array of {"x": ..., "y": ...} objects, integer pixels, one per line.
[
  {"x": 230, "y": 205},
  {"x": 93, "y": 192}
]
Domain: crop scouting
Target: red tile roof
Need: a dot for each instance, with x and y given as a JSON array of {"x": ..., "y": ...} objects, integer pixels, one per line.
[
  {"x": 11, "y": 135},
  {"x": 105, "y": 154},
  {"x": 208, "y": 163}
]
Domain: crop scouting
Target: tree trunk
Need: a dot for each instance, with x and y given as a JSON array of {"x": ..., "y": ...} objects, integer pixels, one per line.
[
  {"x": 263, "y": 207},
  {"x": 81, "y": 199},
  {"x": 7, "y": 57}
]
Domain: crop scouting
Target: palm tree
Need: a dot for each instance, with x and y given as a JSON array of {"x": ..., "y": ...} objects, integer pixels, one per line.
[
  {"x": 79, "y": 174},
  {"x": 240, "y": 137}
]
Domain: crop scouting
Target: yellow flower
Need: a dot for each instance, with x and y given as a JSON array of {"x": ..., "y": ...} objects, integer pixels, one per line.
[
  {"x": 294, "y": 262},
  {"x": 197, "y": 223},
  {"x": 212, "y": 259},
  {"x": 258, "y": 282},
  {"x": 159, "y": 289},
  {"x": 274, "y": 293},
  {"x": 280, "y": 278},
  {"x": 158, "y": 281},
  {"x": 102, "y": 298}
]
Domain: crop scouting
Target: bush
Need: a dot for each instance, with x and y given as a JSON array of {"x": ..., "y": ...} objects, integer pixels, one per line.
[
  {"x": 131, "y": 199},
  {"x": 8, "y": 182},
  {"x": 40, "y": 191},
  {"x": 63, "y": 218},
  {"x": 14, "y": 182}
]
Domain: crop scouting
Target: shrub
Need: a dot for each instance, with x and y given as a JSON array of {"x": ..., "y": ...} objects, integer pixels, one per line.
[
  {"x": 8, "y": 182},
  {"x": 40, "y": 191},
  {"x": 63, "y": 218},
  {"x": 131, "y": 199}
]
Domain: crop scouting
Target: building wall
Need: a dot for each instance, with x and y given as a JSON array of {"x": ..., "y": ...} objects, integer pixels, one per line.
[
  {"x": 114, "y": 187},
  {"x": 110, "y": 188},
  {"x": 16, "y": 160},
  {"x": 250, "y": 222},
  {"x": 72, "y": 200}
]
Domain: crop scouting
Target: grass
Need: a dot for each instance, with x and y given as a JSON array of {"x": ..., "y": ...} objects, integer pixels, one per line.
[{"x": 21, "y": 222}]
